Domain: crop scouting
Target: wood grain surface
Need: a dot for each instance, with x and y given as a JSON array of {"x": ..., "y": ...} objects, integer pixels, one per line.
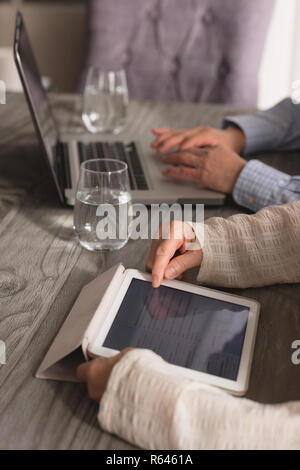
[{"x": 42, "y": 269}]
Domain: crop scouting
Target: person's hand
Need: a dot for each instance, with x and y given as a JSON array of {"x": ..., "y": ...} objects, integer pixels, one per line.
[
  {"x": 216, "y": 168},
  {"x": 97, "y": 372},
  {"x": 162, "y": 259},
  {"x": 201, "y": 136}
]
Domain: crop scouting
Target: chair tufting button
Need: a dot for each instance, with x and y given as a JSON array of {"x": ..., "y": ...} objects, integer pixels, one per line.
[
  {"x": 154, "y": 14},
  {"x": 125, "y": 58},
  {"x": 177, "y": 61},
  {"x": 224, "y": 69},
  {"x": 208, "y": 17},
  {"x": 175, "y": 64}
]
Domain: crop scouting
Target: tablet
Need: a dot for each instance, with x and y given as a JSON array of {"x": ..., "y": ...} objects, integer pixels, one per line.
[{"x": 206, "y": 335}]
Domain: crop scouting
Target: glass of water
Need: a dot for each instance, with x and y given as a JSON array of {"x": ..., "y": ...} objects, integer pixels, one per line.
[
  {"x": 103, "y": 205},
  {"x": 105, "y": 101}
]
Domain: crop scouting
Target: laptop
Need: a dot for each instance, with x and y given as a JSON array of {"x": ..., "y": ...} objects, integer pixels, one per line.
[{"x": 64, "y": 154}]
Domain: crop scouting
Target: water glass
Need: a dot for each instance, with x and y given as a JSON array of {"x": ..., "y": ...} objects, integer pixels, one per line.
[
  {"x": 105, "y": 101},
  {"x": 103, "y": 205}
]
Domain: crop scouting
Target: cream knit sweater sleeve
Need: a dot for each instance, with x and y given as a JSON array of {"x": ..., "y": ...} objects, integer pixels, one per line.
[
  {"x": 252, "y": 250},
  {"x": 147, "y": 404}
]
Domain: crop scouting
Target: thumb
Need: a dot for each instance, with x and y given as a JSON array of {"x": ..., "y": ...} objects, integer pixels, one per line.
[
  {"x": 181, "y": 263},
  {"x": 82, "y": 371}
]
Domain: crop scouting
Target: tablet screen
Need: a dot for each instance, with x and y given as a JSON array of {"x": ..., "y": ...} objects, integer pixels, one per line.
[{"x": 186, "y": 329}]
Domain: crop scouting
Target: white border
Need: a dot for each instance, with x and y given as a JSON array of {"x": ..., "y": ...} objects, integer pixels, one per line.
[{"x": 239, "y": 386}]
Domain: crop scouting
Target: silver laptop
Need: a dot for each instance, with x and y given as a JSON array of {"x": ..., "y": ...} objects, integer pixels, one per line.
[{"x": 64, "y": 154}]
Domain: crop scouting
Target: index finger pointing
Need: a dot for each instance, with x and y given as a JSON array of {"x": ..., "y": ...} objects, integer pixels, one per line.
[{"x": 164, "y": 253}]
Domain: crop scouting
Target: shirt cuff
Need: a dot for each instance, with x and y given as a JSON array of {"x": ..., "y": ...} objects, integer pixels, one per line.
[
  {"x": 259, "y": 185},
  {"x": 259, "y": 133}
]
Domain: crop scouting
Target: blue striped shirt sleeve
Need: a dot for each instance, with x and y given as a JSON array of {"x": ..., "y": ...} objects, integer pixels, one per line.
[
  {"x": 260, "y": 185},
  {"x": 277, "y": 128}
]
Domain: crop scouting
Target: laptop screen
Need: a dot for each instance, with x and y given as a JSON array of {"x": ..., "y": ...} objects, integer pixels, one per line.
[{"x": 35, "y": 94}]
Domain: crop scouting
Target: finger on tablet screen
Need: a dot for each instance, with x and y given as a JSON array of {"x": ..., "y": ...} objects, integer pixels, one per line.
[
  {"x": 165, "y": 251},
  {"x": 151, "y": 255}
]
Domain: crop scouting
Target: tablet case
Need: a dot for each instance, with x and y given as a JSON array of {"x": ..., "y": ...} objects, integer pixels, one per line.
[{"x": 69, "y": 348}]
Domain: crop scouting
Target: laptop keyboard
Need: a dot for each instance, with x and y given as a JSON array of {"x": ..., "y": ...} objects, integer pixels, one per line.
[{"x": 119, "y": 151}]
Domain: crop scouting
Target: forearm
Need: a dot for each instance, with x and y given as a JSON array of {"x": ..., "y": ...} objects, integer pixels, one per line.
[
  {"x": 149, "y": 405},
  {"x": 277, "y": 128},
  {"x": 252, "y": 250}
]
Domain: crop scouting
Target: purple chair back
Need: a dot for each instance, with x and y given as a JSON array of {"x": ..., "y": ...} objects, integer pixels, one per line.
[{"x": 186, "y": 50}]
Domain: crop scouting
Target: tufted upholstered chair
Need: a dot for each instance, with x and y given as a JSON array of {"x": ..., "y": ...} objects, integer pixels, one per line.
[{"x": 189, "y": 50}]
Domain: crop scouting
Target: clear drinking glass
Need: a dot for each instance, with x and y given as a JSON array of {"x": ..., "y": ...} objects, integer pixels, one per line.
[
  {"x": 105, "y": 101},
  {"x": 103, "y": 202}
]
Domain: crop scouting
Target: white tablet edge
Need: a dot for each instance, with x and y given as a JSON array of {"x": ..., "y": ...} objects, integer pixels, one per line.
[{"x": 238, "y": 387}]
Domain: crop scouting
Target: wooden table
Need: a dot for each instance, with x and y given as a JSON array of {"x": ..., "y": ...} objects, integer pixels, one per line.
[{"x": 42, "y": 269}]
